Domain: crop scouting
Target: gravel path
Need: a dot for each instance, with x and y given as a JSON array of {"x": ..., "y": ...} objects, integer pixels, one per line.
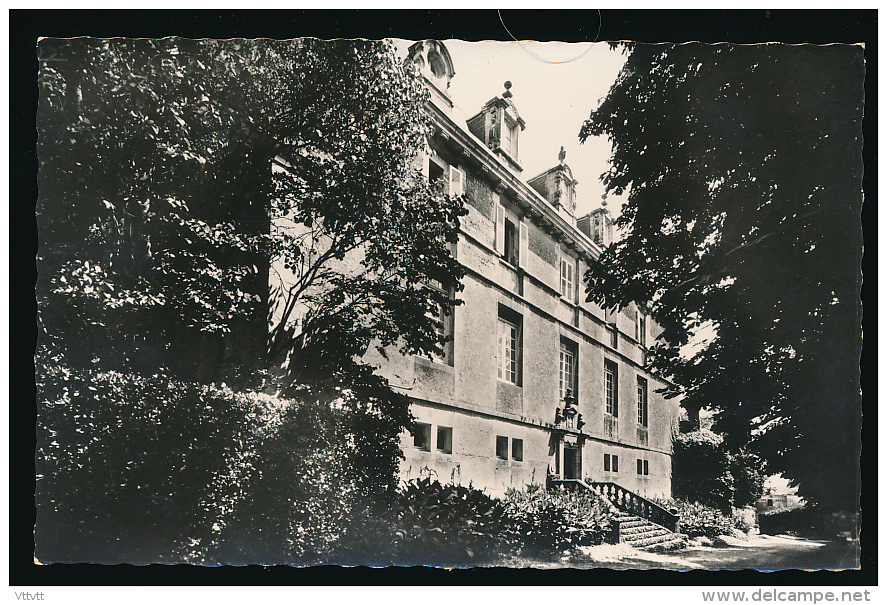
[{"x": 764, "y": 553}]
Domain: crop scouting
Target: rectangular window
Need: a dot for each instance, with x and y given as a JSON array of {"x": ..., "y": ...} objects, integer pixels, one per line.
[
  {"x": 509, "y": 138},
  {"x": 607, "y": 462},
  {"x": 611, "y": 388},
  {"x": 615, "y": 463},
  {"x": 457, "y": 181},
  {"x": 642, "y": 401},
  {"x": 567, "y": 369},
  {"x": 643, "y": 331},
  {"x": 445, "y": 439},
  {"x": 509, "y": 348},
  {"x": 435, "y": 172},
  {"x": 646, "y": 467},
  {"x": 511, "y": 244},
  {"x": 506, "y": 138},
  {"x": 567, "y": 284},
  {"x": 640, "y": 467},
  {"x": 501, "y": 447},
  {"x": 517, "y": 449},
  {"x": 443, "y": 324},
  {"x": 422, "y": 436}
]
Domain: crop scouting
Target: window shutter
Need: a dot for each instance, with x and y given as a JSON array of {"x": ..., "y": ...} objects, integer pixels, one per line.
[
  {"x": 571, "y": 284},
  {"x": 615, "y": 391},
  {"x": 457, "y": 180},
  {"x": 524, "y": 246},
  {"x": 563, "y": 276},
  {"x": 423, "y": 160},
  {"x": 577, "y": 292},
  {"x": 500, "y": 229}
]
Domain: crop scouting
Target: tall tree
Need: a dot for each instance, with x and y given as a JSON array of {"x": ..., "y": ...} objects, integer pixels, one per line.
[
  {"x": 741, "y": 229},
  {"x": 174, "y": 173},
  {"x": 237, "y": 210}
]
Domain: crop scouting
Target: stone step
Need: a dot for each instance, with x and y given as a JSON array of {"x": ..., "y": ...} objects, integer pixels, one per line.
[
  {"x": 674, "y": 543},
  {"x": 646, "y": 535},
  {"x": 634, "y": 524},
  {"x": 639, "y": 529},
  {"x": 650, "y": 541}
]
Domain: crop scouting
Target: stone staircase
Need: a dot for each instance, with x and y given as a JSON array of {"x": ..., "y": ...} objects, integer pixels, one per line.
[
  {"x": 645, "y": 535},
  {"x": 637, "y": 521}
]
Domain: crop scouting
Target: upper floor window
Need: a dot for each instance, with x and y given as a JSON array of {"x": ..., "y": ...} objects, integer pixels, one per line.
[
  {"x": 443, "y": 324},
  {"x": 567, "y": 369},
  {"x": 611, "y": 388},
  {"x": 642, "y": 337},
  {"x": 511, "y": 246},
  {"x": 567, "y": 283},
  {"x": 509, "y": 348},
  {"x": 435, "y": 171},
  {"x": 512, "y": 237},
  {"x": 642, "y": 401}
]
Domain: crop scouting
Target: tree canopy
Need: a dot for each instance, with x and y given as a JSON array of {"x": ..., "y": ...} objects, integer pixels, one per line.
[
  {"x": 218, "y": 214},
  {"x": 741, "y": 234},
  {"x": 174, "y": 173}
]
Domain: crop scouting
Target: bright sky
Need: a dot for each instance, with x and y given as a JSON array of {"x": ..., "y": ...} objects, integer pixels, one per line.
[{"x": 555, "y": 87}]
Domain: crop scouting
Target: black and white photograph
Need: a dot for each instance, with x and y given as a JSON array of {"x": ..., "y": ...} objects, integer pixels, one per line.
[{"x": 449, "y": 303}]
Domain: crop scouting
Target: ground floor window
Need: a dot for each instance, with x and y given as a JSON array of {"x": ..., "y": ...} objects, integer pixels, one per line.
[
  {"x": 502, "y": 447},
  {"x": 422, "y": 436},
  {"x": 517, "y": 449},
  {"x": 445, "y": 439}
]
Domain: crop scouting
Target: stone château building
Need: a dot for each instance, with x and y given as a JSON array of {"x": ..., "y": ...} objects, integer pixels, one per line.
[{"x": 536, "y": 383}]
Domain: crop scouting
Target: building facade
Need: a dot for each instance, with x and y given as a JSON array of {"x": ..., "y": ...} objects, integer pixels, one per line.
[{"x": 536, "y": 383}]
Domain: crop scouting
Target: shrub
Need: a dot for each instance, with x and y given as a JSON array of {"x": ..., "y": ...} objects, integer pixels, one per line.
[
  {"x": 704, "y": 471},
  {"x": 446, "y": 524},
  {"x": 747, "y": 470},
  {"x": 545, "y": 522},
  {"x": 809, "y": 522},
  {"x": 151, "y": 469},
  {"x": 701, "y": 471},
  {"x": 698, "y": 520}
]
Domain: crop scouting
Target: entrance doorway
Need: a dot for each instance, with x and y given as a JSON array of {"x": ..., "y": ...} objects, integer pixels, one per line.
[{"x": 572, "y": 462}]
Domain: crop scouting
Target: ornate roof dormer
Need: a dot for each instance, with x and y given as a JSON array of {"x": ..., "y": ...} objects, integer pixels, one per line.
[
  {"x": 598, "y": 224},
  {"x": 498, "y": 125},
  {"x": 558, "y": 186},
  {"x": 433, "y": 60}
]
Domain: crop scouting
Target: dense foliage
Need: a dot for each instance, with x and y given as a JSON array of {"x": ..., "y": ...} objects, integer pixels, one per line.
[
  {"x": 141, "y": 469},
  {"x": 699, "y": 520},
  {"x": 742, "y": 167},
  {"x": 236, "y": 210},
  {"x": 546, "y": 522},
  {"x": 810, "y": 522},
  {"x": 705, "y": 471},
  {"x": 447, "y": 525}
]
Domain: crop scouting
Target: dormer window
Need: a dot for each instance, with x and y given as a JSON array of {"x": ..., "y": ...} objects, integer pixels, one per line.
[
  {"x": 509, "y": 137},
  {"x": 437, "y": 65},
  {"x": 433, "y": 61}
]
